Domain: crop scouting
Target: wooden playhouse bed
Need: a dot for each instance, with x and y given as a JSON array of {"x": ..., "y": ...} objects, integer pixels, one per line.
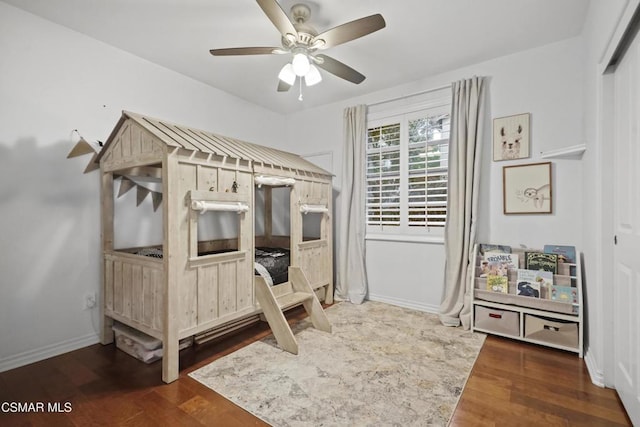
[{"x": 194, "y": 285}]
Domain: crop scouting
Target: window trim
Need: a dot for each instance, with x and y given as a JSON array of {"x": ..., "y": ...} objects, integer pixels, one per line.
[
  {"x": 194, "y": 215},
  {"x": 389, "y": 237},
  {"x": 403, "y": 114}
]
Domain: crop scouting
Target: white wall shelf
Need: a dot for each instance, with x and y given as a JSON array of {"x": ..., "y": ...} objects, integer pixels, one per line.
[{"x": 573, "y": 152}]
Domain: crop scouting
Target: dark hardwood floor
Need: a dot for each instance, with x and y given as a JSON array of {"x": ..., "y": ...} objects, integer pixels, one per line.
[
  {"x": 515, "y": 383},
  {"x": 512, "y": 383}
]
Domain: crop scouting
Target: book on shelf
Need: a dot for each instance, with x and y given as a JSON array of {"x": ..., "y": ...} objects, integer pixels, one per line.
[
  {"x": 484, "y": 248},
  {"x": 541, "y": 261},
  {"x": 565, "y": 253},
  {"x": 498, "y": 264},
  {"x": 534, "y": 283},
  {"x": 497, "y": 283},
  {"x": 566, "y": 294}
]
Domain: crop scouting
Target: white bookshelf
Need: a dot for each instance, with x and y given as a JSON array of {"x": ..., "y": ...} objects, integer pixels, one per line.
[{"x": 536, "y": 320}]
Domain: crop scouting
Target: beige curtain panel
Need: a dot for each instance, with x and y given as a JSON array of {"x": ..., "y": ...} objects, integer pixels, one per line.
[
  {"x": 352, "y": 276},
  {"x": 467, "y": 119}
]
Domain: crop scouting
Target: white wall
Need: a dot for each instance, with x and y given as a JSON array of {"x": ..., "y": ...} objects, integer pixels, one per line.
[
  {"x": 546, "y": 82},
  {"x": 53, "y": 80}
]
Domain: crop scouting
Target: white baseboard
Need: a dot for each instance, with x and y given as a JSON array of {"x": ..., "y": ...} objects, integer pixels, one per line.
[
  {"x": 47, "y": 351},
  {"x": 404, "y": 303},
  {"x": 597, "y": 376}
]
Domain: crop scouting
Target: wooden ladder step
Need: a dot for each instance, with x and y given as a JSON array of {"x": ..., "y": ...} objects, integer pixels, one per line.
[
  {"x": 298, "y": 291},
  {"x": 289, "y": 300}
]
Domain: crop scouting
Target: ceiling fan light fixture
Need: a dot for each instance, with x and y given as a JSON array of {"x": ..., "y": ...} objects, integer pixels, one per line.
[
  {"x": 291, "y": 38},
  {"x": 300, "y": 39},
  {"x": 313, "y": 77},
  {"x": 317, "y": 44},
  {"x": 287, "y": 75},
  {"x": 300, "y": 64}
]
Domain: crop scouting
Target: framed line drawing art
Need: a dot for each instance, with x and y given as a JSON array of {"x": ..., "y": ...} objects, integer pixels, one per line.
[
  {"x": 527, "y": 189},
  {"x": 511, "y": 137}
]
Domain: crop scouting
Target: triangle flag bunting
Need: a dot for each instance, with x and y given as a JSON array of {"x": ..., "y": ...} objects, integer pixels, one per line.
[
  {"x": 93, "y": 165},
  {"x": 157, "y": 199},
  {"x": 80, "y": 149},
  {"x": 125, "y": 185},
  {"x": 141, "y": 194}
]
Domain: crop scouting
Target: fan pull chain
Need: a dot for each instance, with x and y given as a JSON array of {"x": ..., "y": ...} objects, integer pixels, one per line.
[{"x": 300, "y": 97}]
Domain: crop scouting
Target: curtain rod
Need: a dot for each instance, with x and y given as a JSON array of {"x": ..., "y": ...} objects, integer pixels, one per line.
[{"x": 410, "y": 95}]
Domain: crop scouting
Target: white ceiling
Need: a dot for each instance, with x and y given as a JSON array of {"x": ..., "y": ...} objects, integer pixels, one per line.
[{"x": 422, "y": 38}]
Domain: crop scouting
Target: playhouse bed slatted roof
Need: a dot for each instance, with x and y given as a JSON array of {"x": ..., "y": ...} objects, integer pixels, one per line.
[{"x": 191, "y": 139}]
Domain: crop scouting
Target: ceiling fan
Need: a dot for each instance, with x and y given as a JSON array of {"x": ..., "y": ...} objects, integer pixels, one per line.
[{"x": 302, "y": 41}]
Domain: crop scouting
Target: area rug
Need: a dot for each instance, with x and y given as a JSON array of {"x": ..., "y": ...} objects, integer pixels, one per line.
[{"x": 381, "y": 365}]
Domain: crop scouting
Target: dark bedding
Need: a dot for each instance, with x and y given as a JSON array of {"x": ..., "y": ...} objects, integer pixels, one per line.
[{"x": 275, "y": 260}]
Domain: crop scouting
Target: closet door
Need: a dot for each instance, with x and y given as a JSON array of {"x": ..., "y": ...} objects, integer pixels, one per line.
[{"x": 626, "y": 212}]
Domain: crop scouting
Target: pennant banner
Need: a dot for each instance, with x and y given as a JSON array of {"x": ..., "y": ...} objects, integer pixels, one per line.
[
  {"x": 141, "y": 194},
  {"x": 157, "y": 199},
  {"x": 81, "y": 148},
  {"x": 125, "y": 185},
  {"x": 93, "y": 165}
]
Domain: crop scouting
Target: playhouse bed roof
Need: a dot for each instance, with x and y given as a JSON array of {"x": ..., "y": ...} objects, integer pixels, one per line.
[{"x": 192, "y": 139}]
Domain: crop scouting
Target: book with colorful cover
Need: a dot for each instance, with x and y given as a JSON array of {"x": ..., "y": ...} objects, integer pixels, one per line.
[
  {"x": 498, "y": 264},
  {"x": 541, "y": 261},
  {"x": 566, "y": 294},
  {"x": 484, "y": 248},
  {"x": 498, "y": 284},
  {"x": 565, "y": 253},
  {"x": 534, "y": 283}
]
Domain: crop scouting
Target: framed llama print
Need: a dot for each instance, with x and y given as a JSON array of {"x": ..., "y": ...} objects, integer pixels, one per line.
[
  {"x": 527, "y": 189},
  {"x": 511, "y": 137}
]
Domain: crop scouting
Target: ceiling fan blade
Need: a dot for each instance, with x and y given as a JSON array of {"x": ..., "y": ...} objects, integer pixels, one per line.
[
  {"x": 283, "y": 86},
  {"x": 244, "y": 51},
  {"x": 350, "y": 31},
  {"x": 278, "y": 17},
  {"x": 339, "y": 69}
]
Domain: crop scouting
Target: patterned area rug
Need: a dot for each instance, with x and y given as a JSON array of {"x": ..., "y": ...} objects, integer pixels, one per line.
[{"x": 381, "y": 365}]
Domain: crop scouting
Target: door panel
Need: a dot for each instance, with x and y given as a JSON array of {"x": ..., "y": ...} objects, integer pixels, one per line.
[{"x": 626, "y": 213}]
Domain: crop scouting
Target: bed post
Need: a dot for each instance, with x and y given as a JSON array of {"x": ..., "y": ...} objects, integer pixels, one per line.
[
  {"x": 268, "y": 214},
  {"x": 106, "y": 323},
  {"x": 328, "y": 234},
  {"x": 295, "y": 218},
  {"x": 172, "y": 205}
]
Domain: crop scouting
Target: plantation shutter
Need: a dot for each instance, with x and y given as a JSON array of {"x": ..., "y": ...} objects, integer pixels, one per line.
[
  {"x": 428, "y": 170},
  {"x": 383, "y": 175},
  {"x": 407, "y": 172}
]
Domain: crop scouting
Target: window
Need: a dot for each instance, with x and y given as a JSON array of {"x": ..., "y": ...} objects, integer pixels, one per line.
[
  {"x": 135, "y": 224},
  {"x": 407, "y": 171},
  {"x": 312, "y": 226},
  {"x": 216, "y": 223},
  {"x": 217, "y": 232}
]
